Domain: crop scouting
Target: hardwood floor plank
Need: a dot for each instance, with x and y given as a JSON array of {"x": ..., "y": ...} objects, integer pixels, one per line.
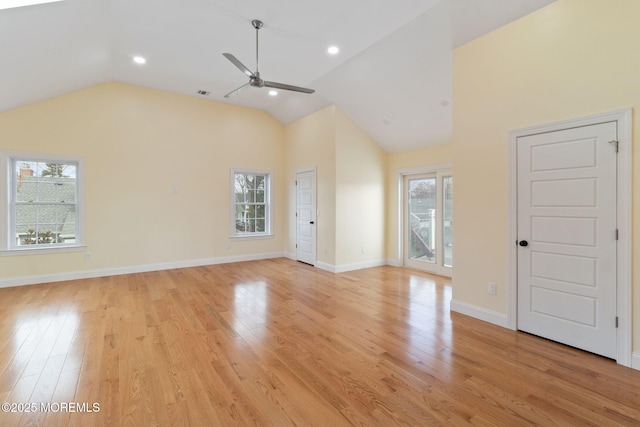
[{"x": 276, "y": 342}]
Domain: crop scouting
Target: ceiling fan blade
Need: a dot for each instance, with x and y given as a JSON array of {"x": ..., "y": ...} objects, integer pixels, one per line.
[
  {"x": 238, "y": 90},
  {"x": 238, "y": 64},
  {"x": 288, "y": 87}
]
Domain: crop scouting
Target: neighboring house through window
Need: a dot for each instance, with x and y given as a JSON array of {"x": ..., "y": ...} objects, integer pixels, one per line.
[
  {"x": 43, "y": 203},
  {"x": 251, "y": 203}
]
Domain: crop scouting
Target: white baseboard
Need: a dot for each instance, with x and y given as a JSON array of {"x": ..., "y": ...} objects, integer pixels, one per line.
[
  {"x": 343, "y": 268},
  {"x": 89, "y": 274},
  {"x": 360, "y": 265},
  {"x": 327, "y": 267},
  {"x": 480, "y": 313},
  {"x": 635, "y": 361}
]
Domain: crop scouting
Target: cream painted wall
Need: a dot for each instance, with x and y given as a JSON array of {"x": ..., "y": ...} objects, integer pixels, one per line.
[
  {"x": 138, "y": 144},
  {"x": 310, "y": 143},
  {"x": 435, "y": 155},
  {"x": 360, "y": 196},
  {"x": 572, "y": 58},
  {"x": 350, "y": 175}
]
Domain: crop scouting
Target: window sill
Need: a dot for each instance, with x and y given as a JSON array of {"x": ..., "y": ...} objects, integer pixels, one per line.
[
  {"x": 252, "y": 237},
  {"x": 41, "y": 251}
]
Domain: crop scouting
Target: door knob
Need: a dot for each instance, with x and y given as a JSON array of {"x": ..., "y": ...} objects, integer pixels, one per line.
[
  {"x": 311, "y": 222},
  {"x": 523, "y": 243}
]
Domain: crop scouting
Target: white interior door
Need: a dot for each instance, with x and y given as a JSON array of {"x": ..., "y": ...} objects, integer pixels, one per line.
[
  {"x": 306, "y": 217},
  {"x": 567, "y": 236}
]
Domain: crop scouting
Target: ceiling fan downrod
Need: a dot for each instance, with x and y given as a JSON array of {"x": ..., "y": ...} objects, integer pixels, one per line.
[{"x": 257, "y": 24}]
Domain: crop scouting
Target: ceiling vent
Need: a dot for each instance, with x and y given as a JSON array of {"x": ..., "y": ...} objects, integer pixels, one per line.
[{"x": 203, "y": 92}]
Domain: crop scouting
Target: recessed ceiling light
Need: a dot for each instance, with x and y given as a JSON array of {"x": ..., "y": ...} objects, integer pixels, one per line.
[
  {"x": 333, "y": 50},
  {"x": 139, "y": 60},
  {"x": 8, "y": 4},
  {"x": 273, "y": 92}
]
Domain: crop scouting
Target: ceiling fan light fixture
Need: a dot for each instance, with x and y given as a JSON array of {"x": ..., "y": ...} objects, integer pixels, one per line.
[
  {"x": 139, "y": 60},
  {"x": 273, "y": 92},
  {"x": 333, "y": 50}
]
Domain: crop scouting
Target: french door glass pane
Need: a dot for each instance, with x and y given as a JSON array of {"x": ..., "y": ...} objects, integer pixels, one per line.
[
  {"x": 422, "y": 219},
  {"x": 447, "y": 220}
]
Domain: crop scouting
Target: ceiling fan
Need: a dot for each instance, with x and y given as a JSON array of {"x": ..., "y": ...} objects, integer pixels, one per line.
[{"x": 254, "y": 77}]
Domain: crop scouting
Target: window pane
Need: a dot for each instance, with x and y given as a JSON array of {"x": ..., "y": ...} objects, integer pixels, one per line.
[
  {"x": 260, "y": 196},
  {"x": 66, "y": 224},
  {"x": 260, "y": 226},
  {"x": 251, "y": 226},
  {"x": 26, "y": 234},
  {"x": 47, "y": 235},
  {"x": 447, "y": 219},
  {"x": 52, "y": 170},
  {"x": 47, "y": 190},
  {"x": 26, "y": 214},
  {"x": 251, "y": 181},
  {"x": 67, "y": 191},
  {"x": 240, "y": 187},
  {"x": 47, "y": 214},
  {"x": 422, "y": 219},
  {"x": 27, "y": 190},
  {"x": 260, "y": 180},
  {"x": 260, "y": 211}
]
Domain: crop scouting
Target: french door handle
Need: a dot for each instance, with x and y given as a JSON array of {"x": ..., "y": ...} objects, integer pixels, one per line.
[
  {"x": 523, "y": 243},
  {"x": 311, "y": 222}
]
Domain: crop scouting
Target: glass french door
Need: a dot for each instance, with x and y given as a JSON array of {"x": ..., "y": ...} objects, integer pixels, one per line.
[{"x": 428, "y": 222}]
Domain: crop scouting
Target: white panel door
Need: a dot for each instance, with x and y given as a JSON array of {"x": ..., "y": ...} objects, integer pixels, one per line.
[
  {"x": 306, "y": 217},
  {"x": 567, "y": 237}
]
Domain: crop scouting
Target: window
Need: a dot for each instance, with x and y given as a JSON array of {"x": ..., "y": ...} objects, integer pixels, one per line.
[
  {"x": 43, "y": 203},
  {"x": 427, "y": 219},
  {"x": 251, "y": 203}
]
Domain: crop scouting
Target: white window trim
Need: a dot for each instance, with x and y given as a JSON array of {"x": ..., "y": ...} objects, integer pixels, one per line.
[
  {"x": 6, "y": 248},
  {"x": 268, "y": 234}
]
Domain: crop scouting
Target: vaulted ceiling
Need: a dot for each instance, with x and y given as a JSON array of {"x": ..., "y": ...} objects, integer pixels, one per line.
[{"x": 392, "y": 76}]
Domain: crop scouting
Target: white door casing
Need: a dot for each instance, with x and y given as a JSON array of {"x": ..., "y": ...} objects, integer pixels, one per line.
[
  {"x": 306, "y": 217},
  {"x": 567, "y": 220},
  {"x": 621, "y": 119}
]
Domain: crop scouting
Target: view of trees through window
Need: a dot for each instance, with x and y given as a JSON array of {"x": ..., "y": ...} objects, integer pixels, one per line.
[
  {"x": 44, "y": 202},
  {"x": 251, "y": 200}
]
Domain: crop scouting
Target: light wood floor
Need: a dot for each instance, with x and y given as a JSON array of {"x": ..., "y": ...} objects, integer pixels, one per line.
[{"x": 279, "y": 343}]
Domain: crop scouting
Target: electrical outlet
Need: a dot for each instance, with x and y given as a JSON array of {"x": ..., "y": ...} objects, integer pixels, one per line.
[{"x": 491, "y": 288}]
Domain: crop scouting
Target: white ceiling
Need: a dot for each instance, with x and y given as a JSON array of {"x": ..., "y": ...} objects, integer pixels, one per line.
[{"x": 392, "y": 76}]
